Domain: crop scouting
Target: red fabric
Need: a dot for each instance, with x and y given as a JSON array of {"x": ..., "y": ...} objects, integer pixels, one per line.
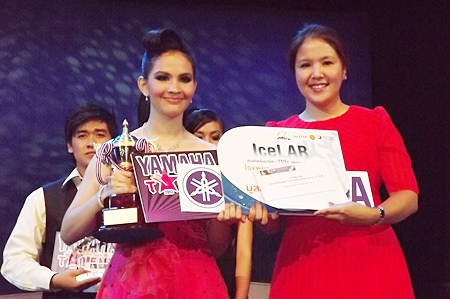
[
  {"x": 320, "y": 258},
  {"x": 176, "y": 266}
]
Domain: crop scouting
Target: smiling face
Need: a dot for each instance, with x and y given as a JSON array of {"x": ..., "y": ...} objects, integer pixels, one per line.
[
  {"x": 83, "y": 139},
  {"x": 170, "y": 84},
  {"x": 210, "y": 132},
  {"x": 319, "y": 73}
]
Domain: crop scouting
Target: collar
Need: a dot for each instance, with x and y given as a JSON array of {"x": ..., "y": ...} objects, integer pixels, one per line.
[{"x": 75, "y": 177}]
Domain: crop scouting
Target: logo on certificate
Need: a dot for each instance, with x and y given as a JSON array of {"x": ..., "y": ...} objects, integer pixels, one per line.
[{"x": 202, "y": 187}]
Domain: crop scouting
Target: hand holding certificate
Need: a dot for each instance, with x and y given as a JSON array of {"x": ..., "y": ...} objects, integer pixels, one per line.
[{"x": 290, "y": 171}]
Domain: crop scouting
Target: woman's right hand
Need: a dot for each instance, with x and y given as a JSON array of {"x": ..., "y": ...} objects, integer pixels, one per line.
[
  {"x": 120, "y": 181},
  {"x": 231, "y": 214}
]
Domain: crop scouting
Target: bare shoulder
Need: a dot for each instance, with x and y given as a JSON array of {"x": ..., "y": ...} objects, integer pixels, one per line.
[
  {"x": 192, "y": 142},
  {"x": 138, "y": 133}
]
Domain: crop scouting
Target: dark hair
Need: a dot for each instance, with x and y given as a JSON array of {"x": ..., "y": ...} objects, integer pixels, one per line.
[
  {"x": 156, "y": 43},
  {"x": 143, "y": 110},
  {"x": 85, "y": 113},
  {"x": 195, "y": 118},
  {"x": 328, "y": 34}
]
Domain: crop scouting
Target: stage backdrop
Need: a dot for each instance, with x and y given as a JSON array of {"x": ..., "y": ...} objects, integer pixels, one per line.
[{"x": 57, "y": 55}]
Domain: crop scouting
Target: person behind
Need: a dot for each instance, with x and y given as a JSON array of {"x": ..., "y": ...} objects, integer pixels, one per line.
[
  {"x": 348, "y": 250},
  {"x": 182, "y": 263},
  {"x": 204, "y": 123},
  {"x": 28, "y": 252},
  {"x": 235, "y": 264}
]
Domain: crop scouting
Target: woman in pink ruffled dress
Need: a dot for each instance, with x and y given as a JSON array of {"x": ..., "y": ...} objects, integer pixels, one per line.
[{"x": 182, "y": 263}]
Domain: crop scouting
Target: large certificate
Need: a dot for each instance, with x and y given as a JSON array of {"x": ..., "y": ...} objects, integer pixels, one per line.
[
  {"x": 292, "y": 171},
  {"x": 299, "y": 170}
]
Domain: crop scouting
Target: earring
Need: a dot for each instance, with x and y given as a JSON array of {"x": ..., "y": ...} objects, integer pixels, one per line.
[
  {"x": 146, "y": 99},
  {"x": 345, "y": 76}
]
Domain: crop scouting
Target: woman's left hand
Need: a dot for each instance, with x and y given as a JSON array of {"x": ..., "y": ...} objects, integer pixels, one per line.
[
  {"x": 350, "y": 213},
  {"x": 231, "y": 214}
]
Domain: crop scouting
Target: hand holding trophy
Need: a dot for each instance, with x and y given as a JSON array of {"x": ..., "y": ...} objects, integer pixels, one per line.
[{"x": 122, "y": 218}]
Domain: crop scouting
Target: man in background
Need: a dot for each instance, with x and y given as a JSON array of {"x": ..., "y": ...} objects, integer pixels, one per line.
[{"x": 28, "y": 254}]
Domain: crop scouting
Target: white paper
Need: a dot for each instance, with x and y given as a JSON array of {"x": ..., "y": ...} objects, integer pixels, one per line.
[
  {"x": 307, "y": 185},
  {"x": 244, "y": 150}
]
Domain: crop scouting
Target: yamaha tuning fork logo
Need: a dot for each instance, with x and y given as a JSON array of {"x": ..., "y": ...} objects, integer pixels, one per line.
[{"x": 203, "y": 187}]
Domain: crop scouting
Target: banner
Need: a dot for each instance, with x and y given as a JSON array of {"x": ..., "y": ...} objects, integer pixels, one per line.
[
  {"x": 88, "y": 254},
  {"x": 162, "y": 178}
]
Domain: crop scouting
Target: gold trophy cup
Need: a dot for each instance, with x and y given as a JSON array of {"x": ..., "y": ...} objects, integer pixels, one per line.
[{"x": 122, "y": 219}]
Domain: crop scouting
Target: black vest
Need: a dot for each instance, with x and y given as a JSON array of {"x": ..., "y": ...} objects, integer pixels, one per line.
[{"x": 57, "y": 200}]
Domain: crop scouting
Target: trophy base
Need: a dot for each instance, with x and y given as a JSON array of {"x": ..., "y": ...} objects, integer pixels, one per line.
[
  {"x": 127, "y": 233},
  {"x": 122, "y": 221}
]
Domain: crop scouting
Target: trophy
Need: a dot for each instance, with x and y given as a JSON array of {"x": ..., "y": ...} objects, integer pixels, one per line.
[{"x": 122, "y": 219}]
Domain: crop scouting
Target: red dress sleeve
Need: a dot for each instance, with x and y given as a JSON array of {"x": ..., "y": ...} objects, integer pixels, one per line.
[
  {"x": 395, "y": 163},
  {"x": 271, "y": 123}
]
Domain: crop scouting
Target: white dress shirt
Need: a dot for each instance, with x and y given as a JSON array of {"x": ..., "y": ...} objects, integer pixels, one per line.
[{"x": 21, "y": 254}]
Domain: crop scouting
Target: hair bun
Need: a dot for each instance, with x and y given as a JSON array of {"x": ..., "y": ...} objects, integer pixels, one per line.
[{"x": 160, "y": 39}]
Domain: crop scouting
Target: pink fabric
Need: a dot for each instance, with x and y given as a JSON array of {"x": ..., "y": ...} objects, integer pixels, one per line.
[
  {"x": 321, "y": 258},
  {"x": 177, "y": 266}
]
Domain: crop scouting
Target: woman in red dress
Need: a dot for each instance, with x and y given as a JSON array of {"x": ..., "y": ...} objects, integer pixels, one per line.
[{"x": 346, "y": 250}]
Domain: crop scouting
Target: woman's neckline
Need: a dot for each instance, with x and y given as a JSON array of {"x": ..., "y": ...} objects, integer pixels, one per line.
[{"x": 326, "y": 119}]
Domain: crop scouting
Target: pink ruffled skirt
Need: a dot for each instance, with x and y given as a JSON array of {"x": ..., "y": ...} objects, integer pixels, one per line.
[{"x": 160, "y": 270}]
